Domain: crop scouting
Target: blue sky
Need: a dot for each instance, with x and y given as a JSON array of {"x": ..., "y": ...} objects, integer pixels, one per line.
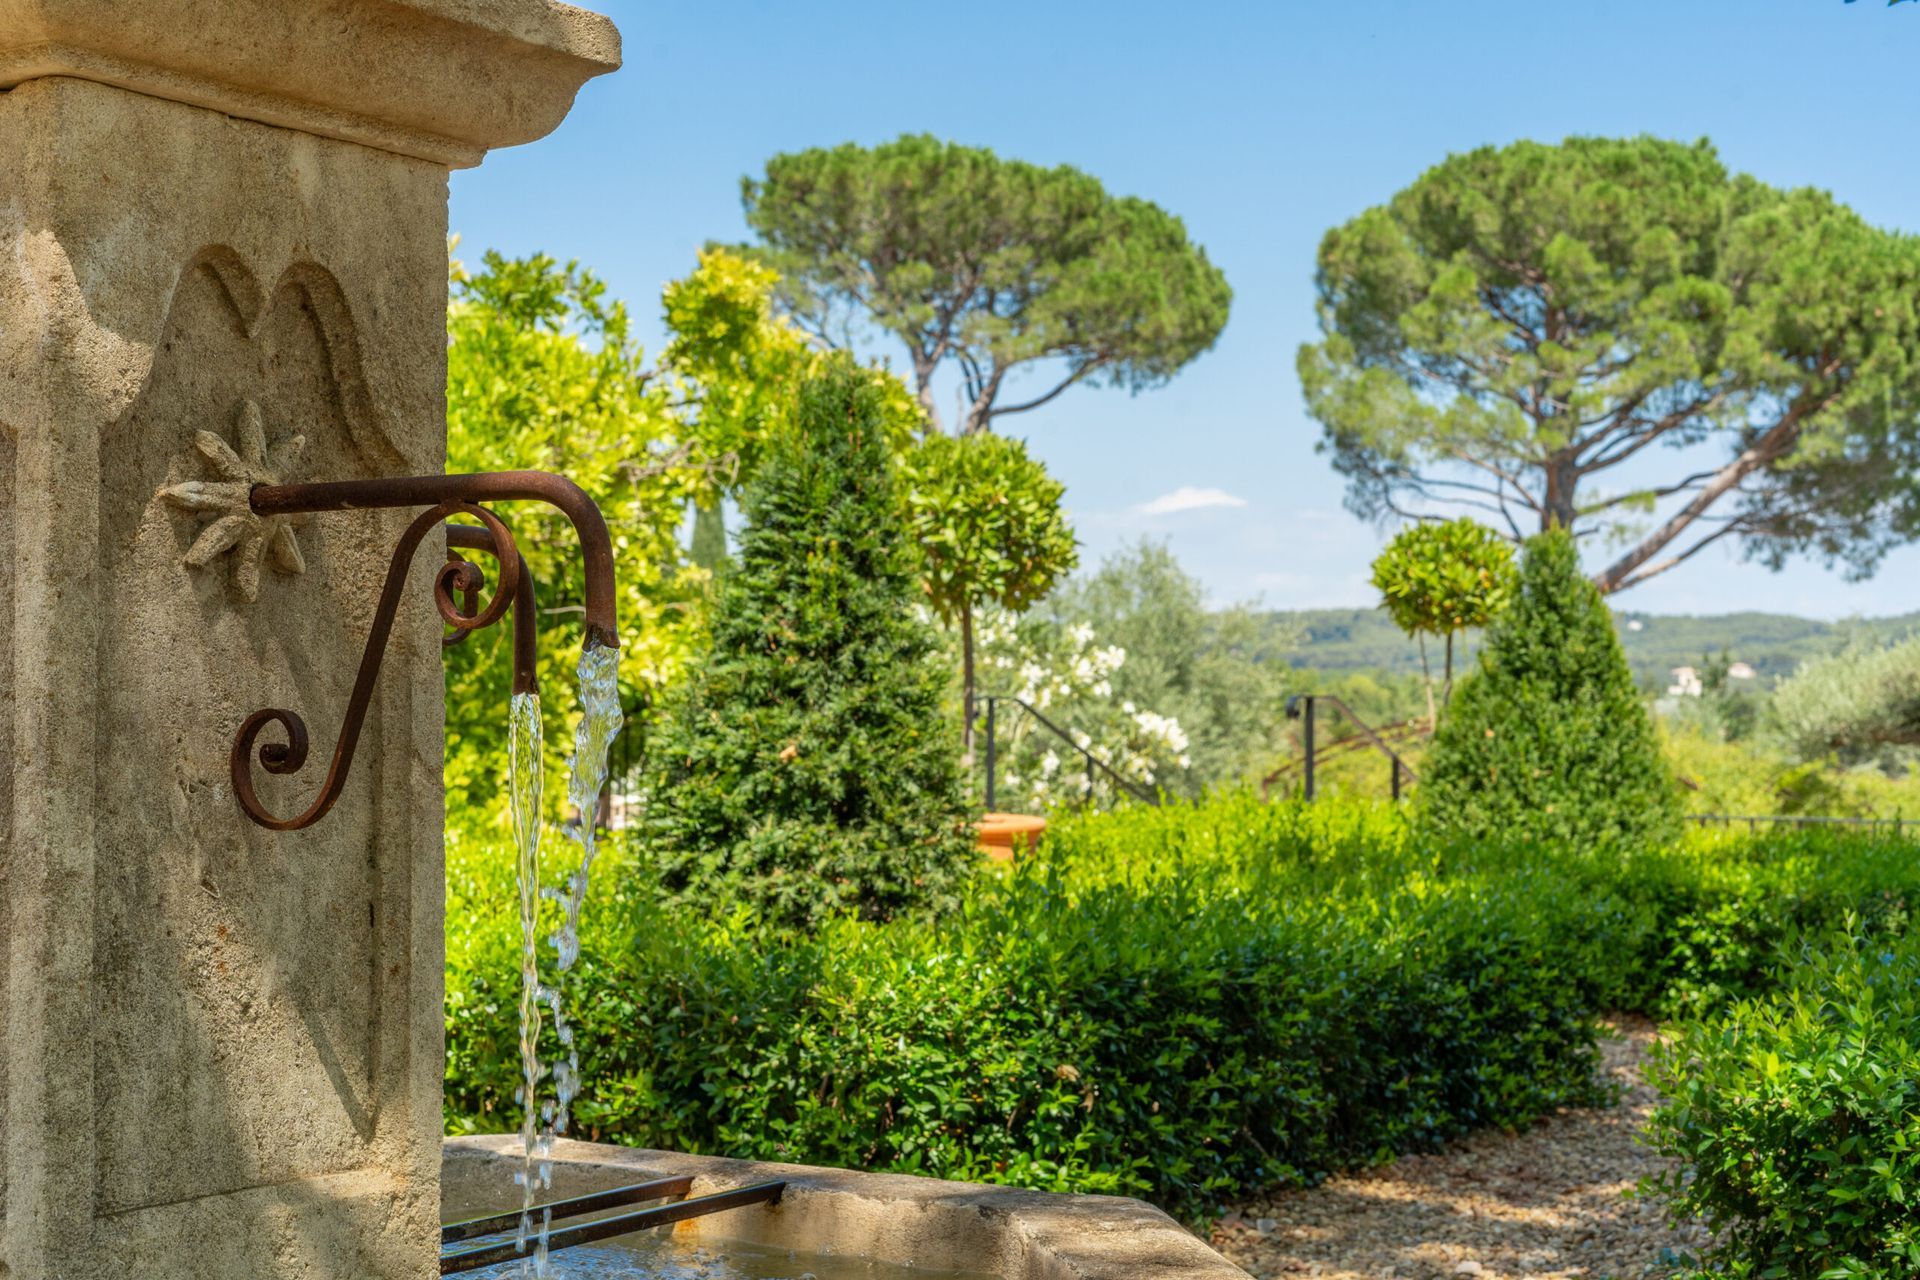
[{"x": 1261, "y": 125}]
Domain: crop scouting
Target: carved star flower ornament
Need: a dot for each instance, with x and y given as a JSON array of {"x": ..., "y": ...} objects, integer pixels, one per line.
[{"x": 235, "y": 527}]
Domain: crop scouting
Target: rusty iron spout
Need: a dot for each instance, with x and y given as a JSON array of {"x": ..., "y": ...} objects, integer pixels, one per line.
[
  {"x": 456, "y": 595},
  {"x": 596, "y": 546}
]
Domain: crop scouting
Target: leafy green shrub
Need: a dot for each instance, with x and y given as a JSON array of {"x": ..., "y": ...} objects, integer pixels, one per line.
[
  {"x": 1547, "y": 740},
  {"x": 1185, "y": 1003},
  {"x": 1798, "y": 1117},
  {"x": 804, "y": 767}
]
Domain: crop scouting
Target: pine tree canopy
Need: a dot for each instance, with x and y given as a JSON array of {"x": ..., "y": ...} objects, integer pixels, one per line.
[
  {"x": 1001, "y": 268},
  {"x": 1522, "y": 322}
]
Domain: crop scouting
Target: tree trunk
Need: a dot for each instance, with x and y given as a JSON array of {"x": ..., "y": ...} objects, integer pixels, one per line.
[
  {"x": 1446, "y": 689},
  {"x": 979, "y": 414},
  {"x": 923, "y": 370},
  {"x": 1426, "y": 673},
  {"x": 966, "y": 687},
  {"x": 1557, "y": 503}
]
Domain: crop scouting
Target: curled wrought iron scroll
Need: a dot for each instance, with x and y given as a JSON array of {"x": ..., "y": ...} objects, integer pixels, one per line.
[
  {"x": 456, "y": 593},
  {"x": 456, "y": 581}
]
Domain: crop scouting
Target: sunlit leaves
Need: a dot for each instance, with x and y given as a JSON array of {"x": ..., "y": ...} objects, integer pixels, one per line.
[
  {"x": 988, "y": 520},
  {"x": 1439, "y": 577}
]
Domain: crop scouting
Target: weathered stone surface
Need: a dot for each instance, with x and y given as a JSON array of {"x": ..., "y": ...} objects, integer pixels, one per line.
[
  {"x": 220, "y": 1047},
  {"x": 925, "y": 1222},
  {"x": 440, "y": 80}
]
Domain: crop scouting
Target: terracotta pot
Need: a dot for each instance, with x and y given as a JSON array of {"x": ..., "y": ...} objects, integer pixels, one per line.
[{"x": 1004, "y": 834}]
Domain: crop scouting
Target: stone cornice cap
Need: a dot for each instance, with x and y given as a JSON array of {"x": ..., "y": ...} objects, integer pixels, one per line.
[{"x": 440, "y": 80}]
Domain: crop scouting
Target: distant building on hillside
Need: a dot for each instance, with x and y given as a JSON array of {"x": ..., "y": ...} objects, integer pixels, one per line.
[{"x": 1687, "y": 682}]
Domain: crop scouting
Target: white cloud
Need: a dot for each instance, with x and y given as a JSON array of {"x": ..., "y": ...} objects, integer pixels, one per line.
[{"x": 1188, "y": 498}]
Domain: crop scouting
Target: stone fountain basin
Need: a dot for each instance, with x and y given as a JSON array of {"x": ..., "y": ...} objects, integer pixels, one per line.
[{"x": 893, "y": 1218}]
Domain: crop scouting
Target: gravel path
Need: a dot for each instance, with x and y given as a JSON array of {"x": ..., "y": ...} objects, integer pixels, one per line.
[{"x": 1547, "y": 1202}]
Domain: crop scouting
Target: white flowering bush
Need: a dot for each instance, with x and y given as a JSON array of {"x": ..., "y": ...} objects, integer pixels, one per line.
[{"x": 1067, "y": 675}]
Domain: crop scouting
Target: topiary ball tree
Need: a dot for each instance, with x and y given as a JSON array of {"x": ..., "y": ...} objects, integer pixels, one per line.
[
  {"x": 987, "y": 519},
  {"x": 1441, "y": 578},
  {"x": 805, "y": 767},
  {"x": 1548, "y": 740}
]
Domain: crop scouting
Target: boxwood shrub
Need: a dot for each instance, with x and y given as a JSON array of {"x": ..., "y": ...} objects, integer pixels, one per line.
[{"x": 1182, "y": 1003}]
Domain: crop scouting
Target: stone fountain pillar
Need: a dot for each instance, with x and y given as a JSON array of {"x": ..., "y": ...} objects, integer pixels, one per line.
[{"x": 223, "y": 256}]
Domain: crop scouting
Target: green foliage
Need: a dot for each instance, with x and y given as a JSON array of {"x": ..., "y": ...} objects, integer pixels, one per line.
[
  {"x": 1441, "y": 577},
  {"x": 743, "y": 362},
  {"x": 988, "y": 522},
  {"x": 1798, "y": 1117},
  {"x": 802, "y": 767},
  {"x": 742, "y": 365},
  {"x": 542, "y": 373},
  {"x": 1547, "y": 740},
  {"x": 1183, "y": 662},
  {"x": 1190, "y": 1003},
  {"x": 1854, "y": 704},
  {"x": 987, "y": 518},
  {"x": 1521, "y": 320},
  {"x": 993, "y": 264}
]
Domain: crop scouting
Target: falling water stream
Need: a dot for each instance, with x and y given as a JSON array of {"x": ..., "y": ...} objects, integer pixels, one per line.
[{"x": 544, "y": 1118}]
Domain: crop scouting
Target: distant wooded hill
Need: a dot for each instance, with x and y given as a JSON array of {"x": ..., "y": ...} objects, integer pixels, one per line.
[{"x": 1772, "y": 643}]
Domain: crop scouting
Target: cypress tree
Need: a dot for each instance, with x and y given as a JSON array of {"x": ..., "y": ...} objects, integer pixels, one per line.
[
  {"x": 806, "y": 765},
  {"x": 1548, "y": 739}
]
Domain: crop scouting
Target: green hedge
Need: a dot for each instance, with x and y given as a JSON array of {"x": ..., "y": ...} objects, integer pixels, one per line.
[
  {"x": 1798, "y": 1119},
  {"x": 1181, "y": 1003}
]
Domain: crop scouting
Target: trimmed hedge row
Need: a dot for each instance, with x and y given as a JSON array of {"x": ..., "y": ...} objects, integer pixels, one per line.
[{"x": 1180, "y": 1003}]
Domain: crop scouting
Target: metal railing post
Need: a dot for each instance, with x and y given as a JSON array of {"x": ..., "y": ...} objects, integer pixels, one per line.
[
  {"x": 1116, "y": 781},
  {"x": 991, "y": 767},
  {"x": 1307, "y": 734}
]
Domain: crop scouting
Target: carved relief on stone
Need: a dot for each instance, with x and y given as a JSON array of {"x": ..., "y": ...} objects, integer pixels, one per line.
[
  {"x": 256, "y": 979},
  {"x": 234, "y": 527}
]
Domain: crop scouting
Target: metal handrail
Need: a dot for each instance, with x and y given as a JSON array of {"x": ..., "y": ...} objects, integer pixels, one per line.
[
  {"x": 1093, "y": 762},
  {"x": 1301, "y": 706},
  {"x": 1398, "y": 734}
]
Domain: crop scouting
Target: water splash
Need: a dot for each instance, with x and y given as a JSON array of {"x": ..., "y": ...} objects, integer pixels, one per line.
[{"x": 544, "y": 1119}]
